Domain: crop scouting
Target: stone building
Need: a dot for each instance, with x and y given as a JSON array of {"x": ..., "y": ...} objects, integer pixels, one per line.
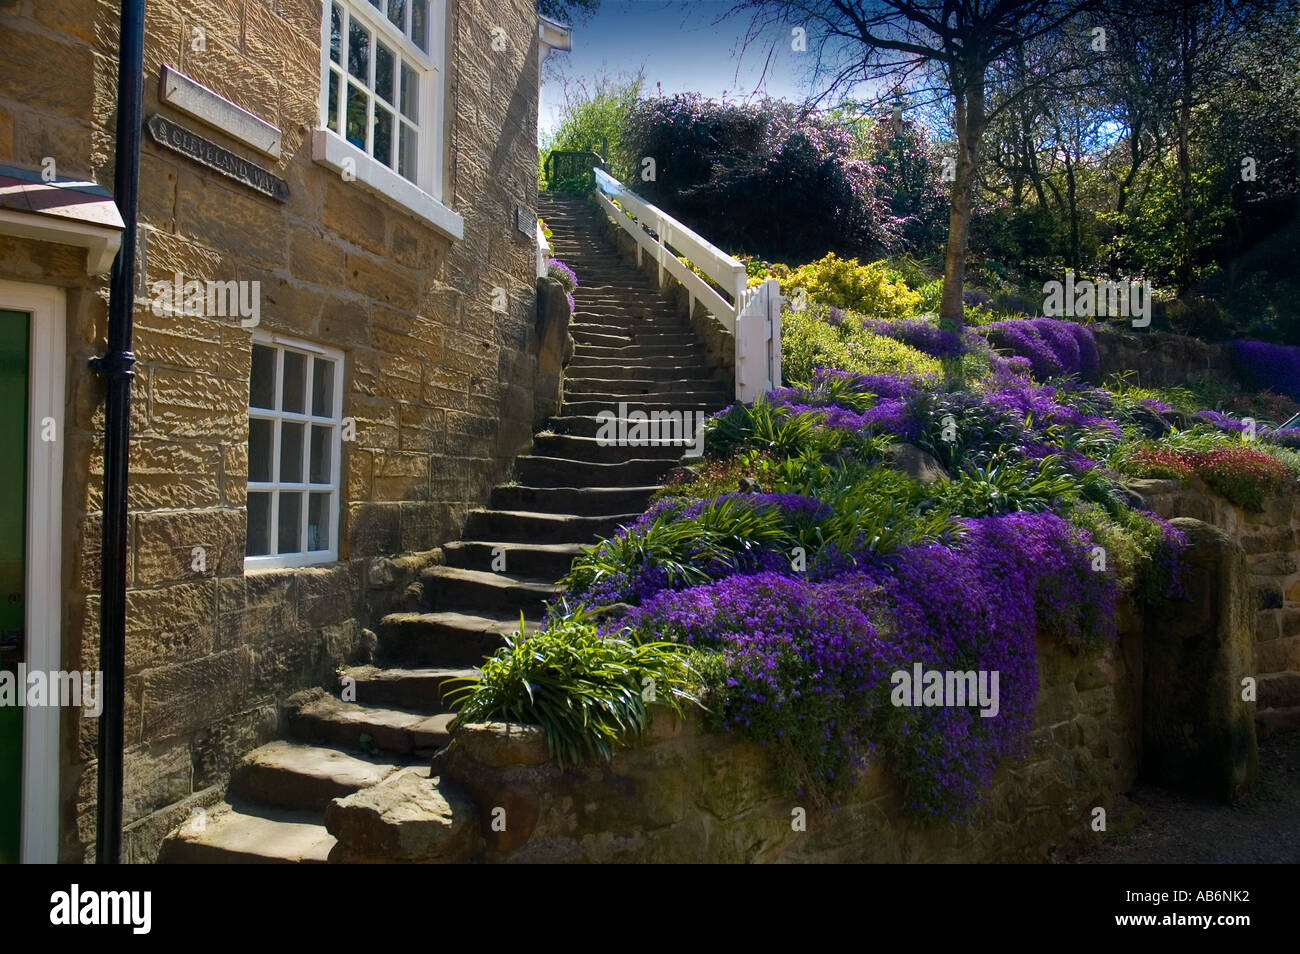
[{"x": 334, "y": 333}]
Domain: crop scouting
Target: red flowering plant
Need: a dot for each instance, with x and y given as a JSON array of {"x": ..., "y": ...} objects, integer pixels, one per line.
[{"x": 1244, "y": 475}]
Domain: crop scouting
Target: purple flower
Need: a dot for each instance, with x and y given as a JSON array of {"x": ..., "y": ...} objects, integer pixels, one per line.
[
  {"x": 809, "y": 659},
  {"x": 1054, "y": 348},
  {"x": 1271, "y": 367},
  {"x": 920, "y": 334},
  {"x": 1224, "y": 422},
  {"x": 1285, "y": 437},
  {"x": 563, "y": 274}
]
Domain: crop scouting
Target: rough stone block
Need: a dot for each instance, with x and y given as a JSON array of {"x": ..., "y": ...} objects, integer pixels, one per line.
[{"x": 1198, "y": 734}]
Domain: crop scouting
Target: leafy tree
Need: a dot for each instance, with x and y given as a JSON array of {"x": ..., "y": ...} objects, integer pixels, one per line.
[
  {"x": 949, "y": 48},
  {"x": 770, "y": 178},
  {"x": 595, "y": 118}
]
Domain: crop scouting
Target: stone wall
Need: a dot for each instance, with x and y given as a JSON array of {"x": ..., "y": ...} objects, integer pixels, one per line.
[
  {"x": 438, "y": 382},
  {"x": 690, "y": 795},
  {"x": 1159, "y": 359},
  {"x": 1163, "y": 701},
  {"x": 1270, "y": 539}
]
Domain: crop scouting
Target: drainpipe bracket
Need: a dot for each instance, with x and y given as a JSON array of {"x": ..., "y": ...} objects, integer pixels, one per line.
[{"x": 115, "y": 364}]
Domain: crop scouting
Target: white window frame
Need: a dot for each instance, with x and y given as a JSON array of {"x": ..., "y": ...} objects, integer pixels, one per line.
[
  {"x": 47, "y": 357},
  {"x": 303, "y": 557},
  {"x": 424, "y": 196}
]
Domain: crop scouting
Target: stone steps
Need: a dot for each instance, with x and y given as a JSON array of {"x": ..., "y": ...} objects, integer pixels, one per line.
[
  {"x": 304, "y": 777},
  {"x": 613, "y": 369},
  {"x": 417, "y": 689},
  {"x": 426, "y": 639},
  {"x": 255, "y": 834},
  {"x": 631, "y": 352},
  {"x": 559, "y": 472},
  {"x": 453, "y": 588},
  {"x": 602, "y": 450},
  {"x": 626, "y": 405},
  {"x": 635, "y": 353},
  {"x": 317, "y": 718},
  {"x": 548, "y": 561},
  {"x": 528, "y": 526}
]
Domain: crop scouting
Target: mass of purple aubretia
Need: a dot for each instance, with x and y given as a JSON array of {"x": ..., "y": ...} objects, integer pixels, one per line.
[
  {"x": 809, "y": 660},
  {"x": 1265, "y": 366},
  {"x": 1054, "y": 348}
]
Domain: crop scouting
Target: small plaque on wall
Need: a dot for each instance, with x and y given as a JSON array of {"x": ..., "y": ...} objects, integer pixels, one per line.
[
  {"x": 193, "y": 146},
  {"x": 525, "y": 222}
]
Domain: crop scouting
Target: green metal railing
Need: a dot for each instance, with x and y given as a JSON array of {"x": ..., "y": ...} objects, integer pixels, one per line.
[{"x": 570, "y": 170}]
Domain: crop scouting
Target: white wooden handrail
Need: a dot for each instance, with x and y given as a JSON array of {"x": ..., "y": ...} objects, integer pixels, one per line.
[
  {"x": 727, "y": 272},
  {"x": 751, "y": 315},
  {"x": 543, "y": 251}
]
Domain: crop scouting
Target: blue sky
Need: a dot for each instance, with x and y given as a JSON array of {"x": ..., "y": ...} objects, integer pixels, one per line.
[{"x": 681, "y": 49}]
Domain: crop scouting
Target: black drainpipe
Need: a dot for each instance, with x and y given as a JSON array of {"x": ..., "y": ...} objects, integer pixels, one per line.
[{"x": 115, "y": 366}]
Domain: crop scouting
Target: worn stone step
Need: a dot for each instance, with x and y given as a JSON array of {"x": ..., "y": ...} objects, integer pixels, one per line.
[
  {"x": 1279, "y": 690},
  {"x": 533, "y": 527},
  {"x": 640, "y": 371},
  {"x": 624, "y": 405},
  {"x": 620, "y": 303},
  {"x": 638, "y": 326},
  {"x": 558, "y": 472},
  {"x": 669, "y": 443},
  {"x": 591, "y": 501},
  {"x": 412, "y": 689},
  {"x": 666, "y": 422},
  {"x": 249, "y": 834},
  {"x": 543, "y": 561},
  {"x": 620, "y": 290},
  {"x": 598, "y": 338},
  {"x": 317, "y": 718},
  {"x": 500, "y": 594},
  {"x": 647, "y": 317},
  {"x": 638, "y": 359},
  {"x": 304, "y": 777},
  {"x": 615, "y": 401},
  {"x": 642, "y": 385},
  {"x": 607, "y": 329},
  {"x": 651, "y": 338},
  {"x": 1272, "y": 721},
  {"x": 635, "y": 352},
  {"x": 445, "y": 639}
]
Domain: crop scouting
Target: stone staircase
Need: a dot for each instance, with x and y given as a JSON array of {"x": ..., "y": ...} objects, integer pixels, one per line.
[{"x": 632, "y": 348}]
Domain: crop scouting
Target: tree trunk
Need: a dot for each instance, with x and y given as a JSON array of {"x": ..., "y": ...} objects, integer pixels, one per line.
[
  {"x": 969, "y": 120},
  {"x": 1134, "y": 164},
  {"x": 1072, "y": 197},
  {"x": 1186, "y": 276}
]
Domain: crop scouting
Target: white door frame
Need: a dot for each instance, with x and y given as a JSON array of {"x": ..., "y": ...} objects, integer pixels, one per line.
[{"x": 44, "y": 597}]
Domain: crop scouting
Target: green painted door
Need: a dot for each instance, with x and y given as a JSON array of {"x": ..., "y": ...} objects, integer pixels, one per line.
[{"x": 14, "y": 326}]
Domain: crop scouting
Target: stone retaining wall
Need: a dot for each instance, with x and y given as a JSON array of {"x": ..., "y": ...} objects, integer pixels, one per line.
[
  {"x": 1271, "y": 542},
  {"x": 691, "y": 795},
  {"x": 1157, "y": 358},
  {"x": 1164, "y": 701}
]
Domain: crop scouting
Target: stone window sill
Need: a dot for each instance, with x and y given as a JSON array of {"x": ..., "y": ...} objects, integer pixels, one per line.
[{"x": 334, "y": 152}]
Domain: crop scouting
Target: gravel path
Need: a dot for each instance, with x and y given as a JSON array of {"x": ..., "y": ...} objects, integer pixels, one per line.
[{"x": 1263, "y": 828}]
